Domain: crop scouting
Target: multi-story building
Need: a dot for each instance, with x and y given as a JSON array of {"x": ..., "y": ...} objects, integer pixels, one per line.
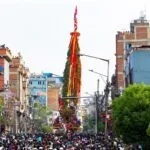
[
  {"x": 138, "y": 35},
  {"x": 5, "y": 59},
  {"x": 137, "y": 68},
  {"x": 18, "y": 90},
  {"x": 18, "y": 80},
  {"x": 54, "y": 84},
  {"x": 45, "y": 88},
  {"x": 38, "y": 89}
]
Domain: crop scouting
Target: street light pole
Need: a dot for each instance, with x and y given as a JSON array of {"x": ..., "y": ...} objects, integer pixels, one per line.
[
  {"x": 106, "y": 100},
  {"x": 106, "y": 89},
  {"x": 101, "y": 75},
  {"x": 107, "y": 60},
  {"x": 96, "y": 107},
  {"x": 97, "y": 73}
]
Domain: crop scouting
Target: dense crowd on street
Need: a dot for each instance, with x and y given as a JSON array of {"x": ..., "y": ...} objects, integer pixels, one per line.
[{"x": 69, "y": 141}]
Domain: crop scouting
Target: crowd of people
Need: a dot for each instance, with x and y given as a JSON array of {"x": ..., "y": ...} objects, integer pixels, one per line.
[{"x": 69, "y": 141}]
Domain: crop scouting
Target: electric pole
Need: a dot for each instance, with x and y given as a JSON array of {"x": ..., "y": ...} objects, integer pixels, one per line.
[{"x": 96, "y": 107}]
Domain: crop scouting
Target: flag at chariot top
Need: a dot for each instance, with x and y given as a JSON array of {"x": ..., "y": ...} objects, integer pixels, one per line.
[{"x": 75, "y": 19}]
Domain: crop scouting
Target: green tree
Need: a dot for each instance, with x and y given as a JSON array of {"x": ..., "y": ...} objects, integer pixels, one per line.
[
  {"x": 101, "y": 126},
  {"x": 131, "y": 115},
  {"x": 46, "y": 128},
  {"x": 89, "y": 124},
  {"x": 91, "y": 121},
  {"x": 40, "y": 114},
  {"x": 1, "y": 107},
  {"x": 3, "y": 120}
]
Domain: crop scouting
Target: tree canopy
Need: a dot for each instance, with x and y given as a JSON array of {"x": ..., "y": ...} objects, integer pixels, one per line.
[
  {"x": 2, "y": 116},
  {"x": 40, "y": 115},
  {"x": 131, "y": 115}
]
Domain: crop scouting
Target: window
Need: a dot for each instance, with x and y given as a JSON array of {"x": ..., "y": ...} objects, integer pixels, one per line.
[
  {"x": 128, "y": 46},
  {"x": 39, "y": 82},
  {"x": 1, "y": 69}
]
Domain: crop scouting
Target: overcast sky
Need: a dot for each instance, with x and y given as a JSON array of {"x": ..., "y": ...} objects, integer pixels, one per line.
[{"x": 40, "y": 30}]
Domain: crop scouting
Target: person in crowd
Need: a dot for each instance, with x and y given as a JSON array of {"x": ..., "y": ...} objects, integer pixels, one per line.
[{"x": 68, "y": 141}]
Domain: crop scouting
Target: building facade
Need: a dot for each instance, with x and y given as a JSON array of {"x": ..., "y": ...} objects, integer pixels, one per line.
[
  {"x": 54, "y": 84},
  {"x": 45, "y": 88},
  {"x": 138, "y": 35},
  {"x": 18, "y": 91},
  {"x": 137, "y": 68},
  {"x": 18, "y": 81},
  {"x": 5, "y": 59},
  {"x": 38, "y": 89}
]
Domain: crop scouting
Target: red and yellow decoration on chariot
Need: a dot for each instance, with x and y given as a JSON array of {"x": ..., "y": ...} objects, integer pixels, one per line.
[{"x": 71, "y": 86}]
